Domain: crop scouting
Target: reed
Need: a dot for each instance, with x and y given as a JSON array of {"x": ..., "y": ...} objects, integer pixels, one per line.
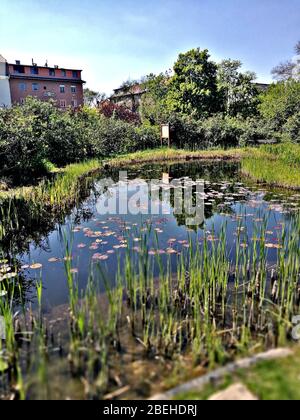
[{"x": 212, "y": 308}]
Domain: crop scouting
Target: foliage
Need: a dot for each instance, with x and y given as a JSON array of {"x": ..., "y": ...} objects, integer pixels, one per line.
[
  {"x": 239, "y": 93},
  {"x": 111, "y": 110},
  {"x": 292, "y": 128},
  {"x": 37, "y": 133},
  {"x": 153, "y": 106},
  {"x": 280, "y": 102},
  {"x": 24, "y": 135},
  {"x": 193, "y": 88},
  {"x": 278, "y": 165}
]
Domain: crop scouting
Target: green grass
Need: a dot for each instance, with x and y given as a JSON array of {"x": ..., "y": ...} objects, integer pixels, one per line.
[
  {"x": 165, "y": 154},
  {"x": 62, "y": 187},
  {"x": 274, "y": 165},
  {"x": 270, "y": 380}
]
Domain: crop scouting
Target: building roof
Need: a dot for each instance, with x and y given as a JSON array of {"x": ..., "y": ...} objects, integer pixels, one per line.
[
  {"x": 45, "y": 67},
  {"x": 2, "y": 59}
]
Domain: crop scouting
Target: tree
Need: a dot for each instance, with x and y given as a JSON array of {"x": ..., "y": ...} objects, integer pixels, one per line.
[
  {"x": 288, "y": 69},
  {"x": 281, "y": 102},
  {"x": 239, "y": 93},
  {"x": 153, "y": 106},
  {"x": 193, "y": 88},
  {"x": 120, "y": 112},
  {"x": 91, "y": 98},
  {"x": 284, "y": 71}
]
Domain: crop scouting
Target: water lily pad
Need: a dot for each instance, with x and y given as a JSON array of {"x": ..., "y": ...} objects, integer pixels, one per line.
[
  {"x": 36, "y": 266},
  {"x": 8, "y": 276},
  {"x": 53, "y": 260}
]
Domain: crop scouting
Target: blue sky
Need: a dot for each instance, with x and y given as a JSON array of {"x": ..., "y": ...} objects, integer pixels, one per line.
[{"x": 113, "y": 40}]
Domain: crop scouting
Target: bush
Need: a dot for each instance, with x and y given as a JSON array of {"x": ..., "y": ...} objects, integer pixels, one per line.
[
  {"x": 120, "y": 112},
  {"x": 23, "y": 138},
  {"x": 36, "y": 134},
  {"x": 291, "y": 129},
  {"x": 147, "y": 137}
]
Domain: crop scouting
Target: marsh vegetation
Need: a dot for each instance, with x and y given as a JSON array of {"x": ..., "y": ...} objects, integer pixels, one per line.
[{"x": 89, "y": 303}]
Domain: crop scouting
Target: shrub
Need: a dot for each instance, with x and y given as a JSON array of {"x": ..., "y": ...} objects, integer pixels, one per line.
[
  {"x": 291, "y": 129},
  {"x": 147, "y": 137},
  {"x": 111, "y": 110}
]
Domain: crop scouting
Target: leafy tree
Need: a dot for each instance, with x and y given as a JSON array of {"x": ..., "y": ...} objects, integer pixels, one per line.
[
  {"x": 153, "y": 106},
  {"x": 193, "y": 88},
  {"x": 280, "y": 102},
  {"x": 239, "y": 93}
]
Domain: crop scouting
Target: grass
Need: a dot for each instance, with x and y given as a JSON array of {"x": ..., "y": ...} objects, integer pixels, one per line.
[
  {"x": 274, "y": 165},
  {"x": 165, "y": 154},
  {"x": 198, "y": 313},
  {"x": 61, "y": 189},
  {"x": 269, "y": 380}
]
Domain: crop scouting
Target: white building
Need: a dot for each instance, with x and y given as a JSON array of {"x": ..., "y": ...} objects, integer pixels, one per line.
[{"x": 5, "y": 96}]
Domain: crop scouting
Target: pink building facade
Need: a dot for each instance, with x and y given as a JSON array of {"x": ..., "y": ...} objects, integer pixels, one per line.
[{"x": 64, "y": 86}]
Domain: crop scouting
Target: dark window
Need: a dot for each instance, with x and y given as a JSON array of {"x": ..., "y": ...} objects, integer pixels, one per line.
[
  {"x": 35, "y": 87},
  {"x": 63, "y": 73},
  {"x": 51, "y": 72},
  {"x": 73, "y": 89},
  {"x": 19, "y": 69},
  {"x": 34, "y": 70},
  {"x": 62, "y": 89},
  {"x": 75, "y": 74}
]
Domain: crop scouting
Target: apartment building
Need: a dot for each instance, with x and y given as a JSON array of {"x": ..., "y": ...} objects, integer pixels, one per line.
[{"x": 65, "y": 86}]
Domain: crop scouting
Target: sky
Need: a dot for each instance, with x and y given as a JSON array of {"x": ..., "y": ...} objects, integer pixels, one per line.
[{"x": 114, "y": 40}]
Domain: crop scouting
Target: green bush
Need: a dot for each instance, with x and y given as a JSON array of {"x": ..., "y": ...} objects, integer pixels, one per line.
[
  {"x": 23, "y": 138},
  {"x": 37, "y": 133},
  {"x": 147, "y": 137},
  {"x": 291, "y": 129}
]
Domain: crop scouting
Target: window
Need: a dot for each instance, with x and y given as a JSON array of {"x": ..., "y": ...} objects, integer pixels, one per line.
[
  {"x": 35, "y": 87},
  {"x": 22, "y": 101},
  {"x": 73, "y": 89},
  {"x": 34, "y": 70},
  {"x": 22, "y": 87},
  {"x": 19, "y": 69},
  {"x": 62, "y": 89},
  {"x": 74, "y": 103},
  {"x": 63, "y": 73},
  {"x": 63, "y": 103},
  {"x": 51, "y": 72},
  {"x": 75, "y": 74}
]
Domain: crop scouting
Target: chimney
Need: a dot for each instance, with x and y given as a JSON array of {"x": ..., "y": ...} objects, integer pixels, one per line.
[{"x": 18, "y": 62}]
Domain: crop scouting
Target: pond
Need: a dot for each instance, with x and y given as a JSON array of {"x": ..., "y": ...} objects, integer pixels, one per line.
[
  {"x": 95, "y": 237},
  {"x": 241, "y": 236}
]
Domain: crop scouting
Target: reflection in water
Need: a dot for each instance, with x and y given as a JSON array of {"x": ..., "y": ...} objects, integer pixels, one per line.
[{"x": 36, "y": 244}]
